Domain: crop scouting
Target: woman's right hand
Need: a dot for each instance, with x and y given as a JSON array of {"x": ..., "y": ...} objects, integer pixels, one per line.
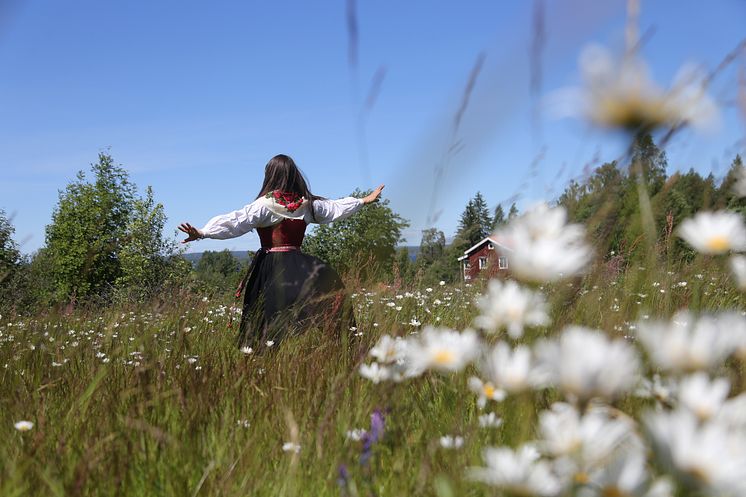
[
  {"x": 373, "y": 197},
  {"x": 194, "y": 233}
]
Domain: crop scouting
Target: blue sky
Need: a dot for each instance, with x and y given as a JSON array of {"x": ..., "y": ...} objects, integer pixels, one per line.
[{"x": 193, "y": 98}]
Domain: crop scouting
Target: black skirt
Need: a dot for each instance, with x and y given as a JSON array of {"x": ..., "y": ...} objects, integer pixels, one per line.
[{"x": 289, "y": 292}]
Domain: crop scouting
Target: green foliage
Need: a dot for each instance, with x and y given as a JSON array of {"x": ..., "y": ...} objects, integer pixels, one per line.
[
  {"x": 219, "y": 270},
  {"x": 498, "y": 218},
  {"x": 12, "y": 275},
  {"x": 88, "y": 226},
  {"x": 143, "y": 253},
  {"x": 105, "y": 241},
  {"x": 365, "y": 242},
  {"x": 608, "y": 203},
  {"x": 475, "y": 223},
  {"x": 432, "y": 246}
]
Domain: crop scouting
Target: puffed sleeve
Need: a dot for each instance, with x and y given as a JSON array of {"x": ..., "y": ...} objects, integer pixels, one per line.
[
  {"x": 327, "y": 211},
  {"x": 236, "y": 223}
]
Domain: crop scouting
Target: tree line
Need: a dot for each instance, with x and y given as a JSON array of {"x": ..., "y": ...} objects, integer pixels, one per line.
[{"x": 105, "y": 242}]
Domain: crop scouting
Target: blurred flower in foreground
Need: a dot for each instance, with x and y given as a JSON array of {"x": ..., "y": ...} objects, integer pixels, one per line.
[
  {"x": 688, "y": 343},
  {"x": 705, "y": 457},
  {"x": 291, "y": 447},
  {"x": 585, "y": 364},
  {"x": 511, "y": 369},
  {"x": 511, "y": 306},
  {"x": 442, "y": 349},
  {"x": 24, "y": 425},
  {"x": 625, "y": 476},
  {"x": 738, "y": 268},
  {"x": 702, "y": 396},
  {"x": 714, "y": 232},
  {"x": 585, "y": 443},
  {"x": 388, "y": 350},
  {"x": 451, "y": 442},
  {"x": 486, "y": 391},
  {"x": 375, "y": 372},
  {"x": 490, "y": 420},
  {"x": 544, "y": 247},
  {"x": 621, "y": 94},
  {"x": 520, "y": 472}
]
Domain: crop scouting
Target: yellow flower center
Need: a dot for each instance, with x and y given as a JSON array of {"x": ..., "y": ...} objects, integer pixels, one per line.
[
  {"x": 444, "y": 357},
  {"x": 718, "y": 243},
  {"x": 489, "y": 390},
  {"x": 581, "y": 478}
]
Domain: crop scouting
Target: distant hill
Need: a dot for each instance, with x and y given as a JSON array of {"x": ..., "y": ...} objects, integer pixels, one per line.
[{"x": 194, "y": 257}]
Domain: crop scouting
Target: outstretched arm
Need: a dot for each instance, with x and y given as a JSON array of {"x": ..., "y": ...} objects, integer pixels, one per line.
[
  {"x": 228, "y": 225},
  {"x": 327, "y": 211},
  {"x": 373, "y": 197},
  {"x": 192, "y": 232}
]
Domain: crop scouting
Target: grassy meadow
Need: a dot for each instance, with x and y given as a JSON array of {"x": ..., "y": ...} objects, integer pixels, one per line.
[{"x": 158, "y": 400}]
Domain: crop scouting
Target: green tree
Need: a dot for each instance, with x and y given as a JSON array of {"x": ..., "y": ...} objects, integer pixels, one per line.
[
  {"x": 483, "y": 215},
  {"x": 219, "y": 270},
  {"x": 513, "y": 212},
  {"x": 475, "y": 223},
  {"x": 12, "y": 287},
  {"x": 498, "y": 218},
  {"x": 432, "y": 245},
  {"x": 87, "y": 229},
  {"x": 365, "y": 242},
  {"x": 144, "y": 252},
  {"x": 404, "y": 265},
  {"x": 725, "y": 195}
]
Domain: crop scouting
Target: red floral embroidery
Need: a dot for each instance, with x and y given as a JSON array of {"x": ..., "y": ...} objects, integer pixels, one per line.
[{"x": 291, "y": 201}]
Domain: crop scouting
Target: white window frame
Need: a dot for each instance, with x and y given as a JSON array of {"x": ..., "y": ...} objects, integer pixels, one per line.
[
  {"x": 482, "y": 262},
  {"x": 502, "y": 262}
]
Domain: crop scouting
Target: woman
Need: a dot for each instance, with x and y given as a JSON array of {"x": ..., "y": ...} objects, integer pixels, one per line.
[{"x": 285, "y": 289}]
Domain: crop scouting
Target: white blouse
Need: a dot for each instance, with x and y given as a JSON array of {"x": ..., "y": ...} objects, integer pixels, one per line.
[{"x": 264, "y": 212}]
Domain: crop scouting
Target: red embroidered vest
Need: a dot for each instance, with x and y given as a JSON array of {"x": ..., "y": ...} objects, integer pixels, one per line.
[{"x": 288, "y": 232}]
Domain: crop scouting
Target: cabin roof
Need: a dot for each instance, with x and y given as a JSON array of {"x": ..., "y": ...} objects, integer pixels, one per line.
[{"x": 471, "y": 249}]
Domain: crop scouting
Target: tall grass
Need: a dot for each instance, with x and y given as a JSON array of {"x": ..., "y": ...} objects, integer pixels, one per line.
[{"x": 150, "y": 401}]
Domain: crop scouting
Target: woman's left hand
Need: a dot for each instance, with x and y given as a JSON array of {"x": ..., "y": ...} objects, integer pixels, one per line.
[
  {"x": 194, "y": 233},
  {"x": 373, "y": 197}
]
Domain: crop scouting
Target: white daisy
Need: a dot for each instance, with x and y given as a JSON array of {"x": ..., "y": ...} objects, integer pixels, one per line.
[
  {"x": 512, "y": 369},
  {"x": 585, "y": 364},
  {"x": 23, "y": 425},
  {"x": 451, "y": 442},
  {"x": 485, "y": 391},
  {"x": 508, "y": 305},
  {"x": 291, "y": 447},
  {"x": 521, "y": 472},
  {"x": 442, "y": 349},
  {"x": 619, "y": 93},
  {"x": 687, "y": 343},
  {"x": 388, "y": 350},
  {"x": 706, "y": 457},
  {"x": 584, "y": 442},
  {"x": 490, "y": 420},
  {"x": 375, "y": 372},
  {"x": 702, "y": 396},
  {"x": 543, "y": 246},
  {"x": 714, "y": 232}
]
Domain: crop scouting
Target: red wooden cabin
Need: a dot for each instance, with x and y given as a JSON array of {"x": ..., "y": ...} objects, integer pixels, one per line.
[{"x": 487, "y": 255}]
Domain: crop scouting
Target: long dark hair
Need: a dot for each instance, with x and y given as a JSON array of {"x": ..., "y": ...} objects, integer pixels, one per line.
[{"x": 282, "y": 174}]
